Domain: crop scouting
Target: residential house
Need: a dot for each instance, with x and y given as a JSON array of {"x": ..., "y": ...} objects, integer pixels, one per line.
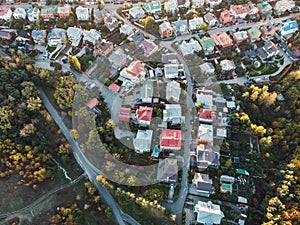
[
  {"x": 227, "y": 65},
  {"x": 142, "y": 141},
  {"x": 124, "y": 115},
  {"x": 99, "y": 15},
  {"x": 48, "y": 13},
  {"x": 104, "y": 47},
  {"x": 134, "y": 72},
  {"x": 33, "y": 14},
  {"x": 153, "y": 7},
  {"x": 268, "y": 51},
  {"x": 264, "y": 8},
  {"x": 170, "y": 139},
  {"x": 183, "y": 3},
  {"x": 92, "y": 103},
  {"x": 211, "y": 19},
  {"x": 167, "y": 170},
  {"x": 91, "y": 37},
  {"x": 253, "y": 10},
  {"x": 5, "y": 35},
  {"x": 207, "y": 68},
  {"x": 173, "y": 91},
  {"x": 171, "y": 6},
  {"x": 143, "y": 115},
  {"x": 190, "y": 47},
  {"x": 240, "y": 36},
  {"x": 208, "y": 45},
  {"x": 173, "y": 114},
  {"x": 222, "y": 39},
  {"x": 208, "y": 213},
  {"x": 149, "y": 47},
  {"x": 205, "y": 97},
  {"x": 254, "y": 34},
  {"x": 64, "y": 11},
  {"x": 117, "y": 58},
  {"x": 169, "y": 58},
  {"x": 204, "y": 185},
  {"x": 166, "y": 30},
  {"x": 39, "y": 36},
  {"x": 206, "y": 116},
  {"x": 5, "y": 13},
  {"x": 239, "y": 11},
  {"x": 126, "y": 29},
  {"x": 213, "y": 3},
  {"x": 284, "y": 5},
  {"x": 206, "y": 134},
  {"x": 222, "y": 132},
  {"x": 114, "y": 87},
  {"x": 206, "y": 155},
  {"x": 83, "y": 13},
  {"x": 226, "y": 17},
  {"x": 198, "y": 3},
  {"x": 137, "y": 37},
  {"x": 289, "y": 27},
  {"x": 111, "y": 22},
  {"x": 195, "y": 23},
  {"x": 136, "y": 13},
  {"x": 180, "y": 27},
  {"x": 74, "y": 35},
  {"x": 158, "y": 72},
  {"x": 226, "y": 184},
  {"x": 146, "y": 92},
  {"x": 172, "y": 71},
  {"x": 268, "y": 30},
  {"x": 19, "y": 13},
  {"x": 56, "y": 36}
]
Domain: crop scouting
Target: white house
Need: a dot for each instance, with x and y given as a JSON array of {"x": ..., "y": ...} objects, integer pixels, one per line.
[
  {"x": 190, "y": 47},
  {"x": 173, "y": 91},
  {"x": 19, "y": 13},
  {"x": 136, "y": 13},
  {"x": 74, "y": 35},
  {"x": 207, "y": 68},
  {"x": 33, "y": 14},
  {"x": 208, "y": 213},
  {"x": 5, "y": 13},
  {"x": 171, "y": 71},
  {"x": 56, "y": 36},
  {"x": 82, "y": 13},
  {"x": 126, "y": 29},
  {"x": 195, "y": 23},
  {"x": 227, "y": 65},
  {"x": 213, "y": 3},
  {"x": 142, "y": 141},
  {"x": 284, "y": 5},
  {"x": 171, "y": 6},
  {"x": 173, "y": 114},
  {"x": 289, "y": 27},
  {"x": 198, "y": 3}
]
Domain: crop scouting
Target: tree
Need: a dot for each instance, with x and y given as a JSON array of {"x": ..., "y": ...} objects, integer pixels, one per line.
[
  {"x": 6, "y": 116},
  {"x": 74, "y": 134},
  {"x": 74, "y": 63},
  {"x": 147, "y": 23},
  {"x": 27, "y": 130},
  {"x": 34, "y": 104},
  {"x": 204, "y": 26}
]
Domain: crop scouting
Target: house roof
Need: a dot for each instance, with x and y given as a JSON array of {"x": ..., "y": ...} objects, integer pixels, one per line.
[
  {"x": 124, "y": 114},
  {"x": 92, "y": 103},
  {"x": 92, "y": 36},
  {"x": 47, "y": 11},
  {"x": 117, "y": 56},
  {"x": 172, "y": 111},
  {"x": 171, "y": 69},
  {"x": 20, "y": 11},
  {"x": 227, "y": 65},
  {"x": 98, "y": 14},
  {"x": 207, "y": 67},
  {"x": 147, "y": 89},
  {"x": 170, "y": 138},
  {"x": 239, "y": 9},
  {"x": 165, "y": 26},
  {"x": 136, "y": 68},
  {"x": 203, "y": 183},
  {"x": 82, "y": 13},
  {"x": 144, "y": 113},
  {"x": 152, "y": 6},
  {"x": 207, "y": 115},
  {"x": 4, "y": 10},
  {"x": 23, "y": 34},
  {"x": 264, "y": 6},
  {"x": 190, "y": 47},
  {"x": 206, "y": 133},
  {"x": 148, "y": 46},
  {"x": 114, "y": 87},
  {"x": 240, "y": 35},
  {"x": 103, "y": 45},
  {"x": 180, "y": 25},
  {"x": 173, "y": 90},
  {"x": 222, "y": 39},
  {"x": 137, "y": 37},
  {"x": 126, "y": 29},
  {"x": 56, "y": 33},
  {"x": 207, "y": 43},
  {"x": 208, "y": 17},
  {"x": 167, "y": 169},
  {"x": 254, "y": 31},
  {"x": 111, "y": 22},
  {"x": 5, "y": 34},
  {"x": 64, "y": 9},
  {"x": 169, "y": 58},
  {"x": 289, "y": 25},
  {"x": 206, "y": 155},
  {"x": 195, "y": 22},
  {"x": 208, "y": 213},
  {"x": 143, "y": 140},
  {"x": 226, "y": 16}
]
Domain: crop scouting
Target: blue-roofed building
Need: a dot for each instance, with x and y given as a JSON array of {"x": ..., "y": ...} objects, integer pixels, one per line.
[
  {"x": 180, "y": 27},
  {"x": 289, "y": 27},
  {"x": 155, "y": 152},
  {"x": 117, "y": 58}
]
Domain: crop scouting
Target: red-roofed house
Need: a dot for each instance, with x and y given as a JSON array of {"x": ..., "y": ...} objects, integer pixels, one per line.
[
  {"x": 239, "y": 11},
  {"x": 144, "y": 115},
  {"x": 114, "y": 87},
  {"x": 134, "y": 72},
  {"x": 124, "y": 115},
  {"x": 222, "y": 39},
  {"x": 226, "y": 16},
  {"x": 170, "y": 139},
  {"x": 206, "y": 115},
  {"x": 92, "y": 103}
]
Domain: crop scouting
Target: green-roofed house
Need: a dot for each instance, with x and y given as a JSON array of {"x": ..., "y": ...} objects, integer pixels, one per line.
[
  {"x": 208, "y": 45},
  {"x": 48, "y": 13},
  {"x": 264, "y": 8},
  {"x": 254, "y": 34},
  {"x": 152, "y": 7},
  {"x": 242, "y": 172}
]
